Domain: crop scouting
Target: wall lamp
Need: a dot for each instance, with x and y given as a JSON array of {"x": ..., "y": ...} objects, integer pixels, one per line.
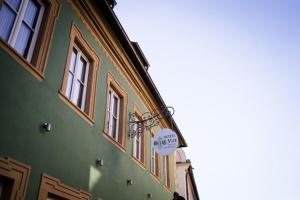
[
  {"x": 129, "y": 182},
  {"x": 46, "y": 126},
  {"x": 99, "y": 162}
]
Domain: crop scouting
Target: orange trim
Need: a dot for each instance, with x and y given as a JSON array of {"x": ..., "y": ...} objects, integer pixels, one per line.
[
  {"x": 53, "y": 186},
  {"x": 167, "y": 183},
  {"x": 110, "y": 45},
  {"x": 114, "y": 142},
  {"x": 156, "y": 178},
  {"x": 37, "y": 65},
  {"x": 82, "y": 114},
  {"x": 76, "y": 38},
  {"x": 21, "y": 60},
  {"x": 139, "y": 163},
  {"x": 113, "y": 84},
  {"x": 17, "y": 171},
  {"x": 156, "y": 157},
  {"x": 168, "y": 189}
]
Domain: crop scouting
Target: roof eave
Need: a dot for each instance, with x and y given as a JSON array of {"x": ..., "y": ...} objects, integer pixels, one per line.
[{"x": 129, "y": 49}]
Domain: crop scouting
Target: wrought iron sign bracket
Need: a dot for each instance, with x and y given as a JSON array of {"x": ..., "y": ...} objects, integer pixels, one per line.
[{"x": 137, "y": 125}]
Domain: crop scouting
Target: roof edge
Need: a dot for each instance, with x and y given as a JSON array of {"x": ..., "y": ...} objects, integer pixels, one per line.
[{"x": 123, "y": 38}]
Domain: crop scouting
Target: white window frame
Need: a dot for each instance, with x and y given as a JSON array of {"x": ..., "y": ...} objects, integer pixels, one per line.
[
  {"x": 79, "y": 55},
  {"x": 110, "y": 109},
  {"x": 13, "y": 35},
  {"x": 137, "y": 153},
  {"x": 153, "y": 155}
]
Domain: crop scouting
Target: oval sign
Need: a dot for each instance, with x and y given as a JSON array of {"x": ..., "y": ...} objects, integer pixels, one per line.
[{"x": 165, "y": 142}]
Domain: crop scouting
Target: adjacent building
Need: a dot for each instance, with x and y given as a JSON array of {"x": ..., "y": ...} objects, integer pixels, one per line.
[
  {"x": 185, "y": 181},
  {"x": 70, "y": 80}
]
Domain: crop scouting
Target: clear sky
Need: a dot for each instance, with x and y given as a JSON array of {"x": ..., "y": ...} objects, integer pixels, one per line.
[{"x": 231, "y": 70}]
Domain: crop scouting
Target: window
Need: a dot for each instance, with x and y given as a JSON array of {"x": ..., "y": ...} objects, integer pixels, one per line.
[
  {"x": 52, "y": 189},
  {"x": 20, "y": 23},
  {"x": 77, "y": 78},
  {"x": 26, "y": 28},
  {"x": 113, "y": 114},
  {"x": 139, "y": 144},
  {"x": 6, "y": 185},
  {"x": 81, "y": 71},
  {"x": 116, "y": 112},
  {"x": 55, "y": 197},
  {"x": 154, "y": 160},
  {"x": 13, "y": 179},
  {"x": 166, "y": 171}
]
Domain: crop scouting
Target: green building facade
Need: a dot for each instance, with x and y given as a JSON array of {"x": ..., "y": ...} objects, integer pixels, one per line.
[{"x": 75, "y": 69}]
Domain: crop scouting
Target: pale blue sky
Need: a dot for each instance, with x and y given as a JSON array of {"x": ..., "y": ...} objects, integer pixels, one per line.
[{"x": 231, "y": 70}]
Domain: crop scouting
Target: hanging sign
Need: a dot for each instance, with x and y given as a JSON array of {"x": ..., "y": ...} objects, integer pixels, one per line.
[{"x": 165, "y": 142}]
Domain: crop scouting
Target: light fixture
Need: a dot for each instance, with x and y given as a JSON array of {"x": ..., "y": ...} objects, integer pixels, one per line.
[
  {"x": 47, "y": 126},
  {"x": 149, "y": 195},
  {"x": 99, "y": 162},
  {"x": 129, "y": 182}
]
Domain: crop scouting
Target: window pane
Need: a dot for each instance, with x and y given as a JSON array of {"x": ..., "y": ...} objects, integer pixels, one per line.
[
  {"x": 78, "y": 93},
  {"x": 114, "y": 128},
  {"x": 14, "y": 3},
  {"x": 23, "y": 40},
  {"x": 116, "y": 102},
  {"x": 156, "y": 165},
  {"x": 81, "y": 69},
  {"x": 109, "y": 101},
  {"x": 137, "y": 149},
  {"x": 7, "y": 19},
  {"x": 31, "y": 13},
  {"x": 73, "y": 60},
  {"x": 55, "y": 197},
  {"x": 109, "y": 112},
  {"x": 6, "y": 185},
  {"x": 69, "y": 85}
]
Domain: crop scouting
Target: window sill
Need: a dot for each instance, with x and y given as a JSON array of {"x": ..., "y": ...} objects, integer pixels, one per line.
[
  {"x": 156, "y": 178},
  {"x": 168, "y": 189},
  {"x": 139, "y": 163},
  {"x": 114, "y": 142},
  {"x": 82, "y": 114},
  {"x": 22, "y": 61}
]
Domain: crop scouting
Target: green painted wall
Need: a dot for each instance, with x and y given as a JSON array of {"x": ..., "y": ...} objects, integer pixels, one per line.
[{"x": 69, "y": 151}]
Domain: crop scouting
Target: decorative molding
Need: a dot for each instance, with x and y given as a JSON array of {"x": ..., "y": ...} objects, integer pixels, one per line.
[
  {"x": 19, "y": 173},
  {"x": 53, "y": 186},
  {"x": 114, "y": 51},
  {"x": 113, "y": 84},
  {"x": 21, "y": 60},
  {"x": 156, "y": 178},
  {"x": 40, "y": 56},
  {"x": 77, "y": 39},
  {"x": 75, "y": 108},
  {"x": 114, "y": 142},
  {"x": 139, "y": 163}
]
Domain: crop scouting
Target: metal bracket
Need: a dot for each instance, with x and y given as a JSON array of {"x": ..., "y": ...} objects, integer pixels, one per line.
[{"x": 147, "y": 120}]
